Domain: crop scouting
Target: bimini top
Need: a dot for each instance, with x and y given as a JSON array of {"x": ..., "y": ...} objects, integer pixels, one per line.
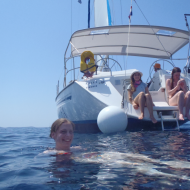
[{"x": 146, "y": 41}]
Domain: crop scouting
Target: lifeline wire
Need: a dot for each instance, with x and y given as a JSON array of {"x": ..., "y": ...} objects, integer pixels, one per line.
[
  {"x": 153, "y": 31},
  {"x": 71, "y": 34},
  {"x": 130, "y": 14},
  {"x": 76, "y": 50},
  {"x": 71, "y": 17},
  {"x": 122, "y": 24}
]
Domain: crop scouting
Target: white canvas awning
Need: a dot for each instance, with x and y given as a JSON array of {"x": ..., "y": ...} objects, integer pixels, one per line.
[{"x": 146, "y": 41}]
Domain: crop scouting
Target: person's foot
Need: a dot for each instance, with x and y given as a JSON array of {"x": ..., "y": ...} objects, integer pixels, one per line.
[
  {"x": 141, "y": 116},
  {"x": 181, "y": 117},
  {"x": 153, "y": 119}
]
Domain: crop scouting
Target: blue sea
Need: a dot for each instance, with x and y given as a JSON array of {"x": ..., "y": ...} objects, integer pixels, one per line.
[{"x": 120, "y": 161}]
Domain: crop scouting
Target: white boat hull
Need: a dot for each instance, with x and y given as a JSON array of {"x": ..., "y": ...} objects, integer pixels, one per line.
[{"x": 82, "y": 101}]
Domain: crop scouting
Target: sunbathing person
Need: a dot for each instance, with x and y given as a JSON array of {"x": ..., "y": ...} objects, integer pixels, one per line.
[
  {"x": 139, "y": 95},
  {"x": 178, "y": 93}
]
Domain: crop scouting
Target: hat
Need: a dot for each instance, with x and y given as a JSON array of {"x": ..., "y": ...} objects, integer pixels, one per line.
[
  {"x": 157, "y": 65},
  {"x": 136, "y": 72}
]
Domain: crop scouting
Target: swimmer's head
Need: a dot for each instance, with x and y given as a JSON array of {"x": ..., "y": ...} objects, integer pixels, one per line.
[{"x": 55, "y": 126}]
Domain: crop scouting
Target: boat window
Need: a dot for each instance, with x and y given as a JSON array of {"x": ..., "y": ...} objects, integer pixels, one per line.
[
  {"x": 99, "y": 32},
  {"x": 165, "y": 32}
]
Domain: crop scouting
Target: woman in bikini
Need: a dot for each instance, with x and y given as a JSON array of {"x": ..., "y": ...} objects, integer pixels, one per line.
[
  {"x": 178, "y": 93},
  {"x": 139, "y": 95}
]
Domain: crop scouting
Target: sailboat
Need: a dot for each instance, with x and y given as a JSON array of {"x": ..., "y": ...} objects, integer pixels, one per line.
[{"x": 81, "y": 100}]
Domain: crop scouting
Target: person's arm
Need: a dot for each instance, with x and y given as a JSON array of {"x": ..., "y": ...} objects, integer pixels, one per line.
[
  {"x": 183, "y": 85},
  {"x": 130, "y": 96},
  {"x": 170, "y": 91},
  {"x": 135, "y": 106},
  {"x": 147, "y": 91}
]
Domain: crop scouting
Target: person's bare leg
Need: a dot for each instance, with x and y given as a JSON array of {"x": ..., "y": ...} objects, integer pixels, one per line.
[
  {"x": 140, "y": 100},
  {"x": 141, "y": 105},
  {"x": 152, "y": 101},
  {"x": 149, "y": 104},
  {"x": 187, "y": 104},
  {"x": 178, "y": 100}
]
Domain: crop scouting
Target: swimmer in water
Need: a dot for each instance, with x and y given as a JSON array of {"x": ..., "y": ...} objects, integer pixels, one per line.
[{"x": 62, "y": 132}]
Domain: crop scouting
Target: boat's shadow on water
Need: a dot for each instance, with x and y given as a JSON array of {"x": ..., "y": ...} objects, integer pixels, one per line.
[
  {"x": 133, "y": 125},
  {"x": 139, "y": 125}
]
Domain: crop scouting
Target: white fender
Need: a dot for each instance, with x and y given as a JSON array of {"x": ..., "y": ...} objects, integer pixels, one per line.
[{"x": 112, "y": 119}]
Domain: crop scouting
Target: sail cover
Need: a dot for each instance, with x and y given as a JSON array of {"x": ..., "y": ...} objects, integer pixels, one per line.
[
  {"x": 146, "y": 41},
  {"x": 102, "y": 13}
]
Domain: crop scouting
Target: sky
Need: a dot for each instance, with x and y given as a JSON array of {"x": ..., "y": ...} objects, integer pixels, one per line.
[{"x": 33, "y": 38}]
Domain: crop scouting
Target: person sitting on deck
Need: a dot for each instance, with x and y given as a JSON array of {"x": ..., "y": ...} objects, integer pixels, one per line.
[
  {"x": 178, "y": 93},
  {"x": 87, "y": 65},
  {"x": 156, "y": 68},
  {"x": 139, "y": 95}
]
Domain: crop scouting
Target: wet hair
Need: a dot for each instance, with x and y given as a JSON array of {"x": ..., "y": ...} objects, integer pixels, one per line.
[
  {"x": 56, "y": 124},
  {"x": 175, "y": 70},
  {"x": 133, "y": 89}
]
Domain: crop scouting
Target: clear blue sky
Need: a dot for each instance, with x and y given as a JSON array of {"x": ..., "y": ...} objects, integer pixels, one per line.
[{"x": 33, "y": 38}]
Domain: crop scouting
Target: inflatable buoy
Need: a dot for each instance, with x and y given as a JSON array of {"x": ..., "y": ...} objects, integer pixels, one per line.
[
  {"x": 87, "y": 56},
  {"x": 112, "y": 119}
]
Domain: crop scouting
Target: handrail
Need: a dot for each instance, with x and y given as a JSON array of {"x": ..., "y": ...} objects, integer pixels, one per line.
[{"x": 66, "y": 72}]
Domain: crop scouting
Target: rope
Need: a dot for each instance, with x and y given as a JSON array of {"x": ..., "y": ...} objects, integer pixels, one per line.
[
  {"x": 153, "y": 30},
  {"x": 71, "y": 17},
  {"x": 121, "y": 12},
  {"x": 124, "y": 82},
  {"x": 128, "y": 38},
  {"x": 61, "y": 73}
]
